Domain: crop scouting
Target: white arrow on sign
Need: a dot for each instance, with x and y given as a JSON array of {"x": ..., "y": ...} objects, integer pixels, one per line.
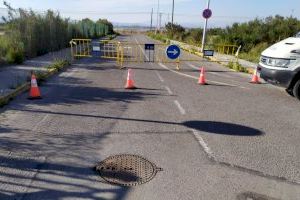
[{"x": 174, "y": 52}]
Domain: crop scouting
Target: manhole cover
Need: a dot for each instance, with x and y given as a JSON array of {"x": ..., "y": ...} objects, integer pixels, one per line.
[
  {"x": 253, "y": 196},
  {"x": 127, "y": 170}
]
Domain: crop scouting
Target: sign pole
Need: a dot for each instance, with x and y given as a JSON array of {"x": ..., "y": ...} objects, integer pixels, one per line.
[{"x": 205, "y": 28}]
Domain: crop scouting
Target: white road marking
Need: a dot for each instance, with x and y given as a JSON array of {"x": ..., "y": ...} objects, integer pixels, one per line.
[
  {"x": 202, "y": 143},
  {"x": 214, "y": 73},
  {"x": 141, "y": 49},
  {"x": 40, "y": 122},
  {"x": 159, "y": 76},
  {"x": 196, "y": 78},
  {"x": 193, "y": 66},
  {"x": 180, "y": 108},
  {"x": 169, "y": 90}
]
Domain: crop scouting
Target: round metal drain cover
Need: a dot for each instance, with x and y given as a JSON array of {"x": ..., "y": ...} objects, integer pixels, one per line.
[
  {"x": 127, "y": 170},
  {"x": 254, "y": 196}
]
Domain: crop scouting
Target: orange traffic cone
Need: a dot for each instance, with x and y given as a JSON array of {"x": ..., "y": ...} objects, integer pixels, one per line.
[
  {"x": 130, "y": 81},
  {"x": 34, "y": 89},
  {"x": 255, "y": 79},
  {"x": 202, "y": 80}
]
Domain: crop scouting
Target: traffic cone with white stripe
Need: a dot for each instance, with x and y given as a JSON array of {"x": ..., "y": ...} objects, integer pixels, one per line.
[
  {"x": 202, "y": 80},
  {"x": 130, "y": 82},
  {"x": 34, "y": 89},
  {"x": 255, "y": 79}
]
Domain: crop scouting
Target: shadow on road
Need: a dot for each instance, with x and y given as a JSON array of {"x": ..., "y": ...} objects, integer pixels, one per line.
[
  {"x": 214, "y": 127},
  {"x": 223, "y": 128},
  {"x": 52, "y": 181}
]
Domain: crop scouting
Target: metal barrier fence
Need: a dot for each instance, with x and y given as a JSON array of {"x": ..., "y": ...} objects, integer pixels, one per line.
[
  {"x": 226, "y": 49},
  {"x": 81, "y": 47},
  {"x": 126, "y": 52}
]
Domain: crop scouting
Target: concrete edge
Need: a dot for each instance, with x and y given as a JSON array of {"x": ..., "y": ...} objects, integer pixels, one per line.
[{"x": 25, "y": 87}]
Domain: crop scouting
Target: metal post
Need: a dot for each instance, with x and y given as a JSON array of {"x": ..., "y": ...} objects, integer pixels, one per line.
[
  {"x": 160, "y": 15},
  {"x": 173, "y": 13},
  {"x": 204, "y": 30},
  {"x": 151, "y": 20},
  {"x": 157, "y": 17}
]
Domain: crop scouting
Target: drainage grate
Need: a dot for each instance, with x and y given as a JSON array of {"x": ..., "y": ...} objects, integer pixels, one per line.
[
  {"x": 253, "y": 196},
  {"x": 127, "y": 170}
]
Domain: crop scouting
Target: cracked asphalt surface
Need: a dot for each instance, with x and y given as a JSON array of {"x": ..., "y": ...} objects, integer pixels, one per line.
[{"x": 225, "y": 140}]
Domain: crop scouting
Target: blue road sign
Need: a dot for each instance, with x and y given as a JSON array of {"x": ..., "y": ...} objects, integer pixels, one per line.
[
  {"x": 149, "y": 47},
  {"x": 208, "y": 52},
  {"x": 173, "y": 52}
]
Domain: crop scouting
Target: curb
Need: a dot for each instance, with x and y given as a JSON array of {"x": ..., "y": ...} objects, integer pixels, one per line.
[
  {"x": 24, "y": 87},
  {"x": 7, "y": 98}
]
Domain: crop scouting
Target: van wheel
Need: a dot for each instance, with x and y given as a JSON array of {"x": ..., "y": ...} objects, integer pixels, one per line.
[
  {"x": 296, "y": 90},
  {"x": 290, "y": 92}
]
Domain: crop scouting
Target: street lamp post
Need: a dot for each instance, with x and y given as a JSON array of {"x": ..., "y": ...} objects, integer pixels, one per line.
[{"x": 205, "y": 29}]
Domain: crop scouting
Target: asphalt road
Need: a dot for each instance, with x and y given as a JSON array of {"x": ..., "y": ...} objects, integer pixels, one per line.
[{"x": 225, "y": 140}]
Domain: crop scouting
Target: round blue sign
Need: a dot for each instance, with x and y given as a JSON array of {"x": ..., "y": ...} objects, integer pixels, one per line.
[
  {"x": 173, "y": 52},
  {"x": 207, "y": 13}
]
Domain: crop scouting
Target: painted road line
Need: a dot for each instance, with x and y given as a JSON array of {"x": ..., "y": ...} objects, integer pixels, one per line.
[
  {"x": 159, "y": 76},
  {"x": 196, "y": 78},
  {"x": 169, "y": 90},
  {"x": 202, "y": 143},
  {"x": 193, "y": 66},
  {"x": 214, "y": 73},
  {"x": 180, "y": 108},
  {"x": 137, "y": 42}
]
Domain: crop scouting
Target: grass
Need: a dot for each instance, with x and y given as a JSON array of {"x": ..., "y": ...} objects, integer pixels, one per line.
[
  {"x": 236, "y": 66},
  {"x": 57, "y": 66},
  {"x": 158, "y": 36},
  {"x": 254, "y": 54}
]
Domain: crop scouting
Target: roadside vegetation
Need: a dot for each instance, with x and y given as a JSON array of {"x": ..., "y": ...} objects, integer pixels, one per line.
[
  {"x": 27, "y": 34},
  {"x": 254, "y": 36}
]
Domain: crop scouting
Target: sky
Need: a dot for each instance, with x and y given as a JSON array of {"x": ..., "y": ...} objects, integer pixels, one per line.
[{"x": 187, "y": 12}]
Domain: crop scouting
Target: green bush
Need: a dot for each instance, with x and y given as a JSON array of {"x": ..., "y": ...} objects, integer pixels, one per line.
[
  {"x": 254, "y": 54},
  {"x": 30, "y": 34},
  {"x": 14, "y": 56}
]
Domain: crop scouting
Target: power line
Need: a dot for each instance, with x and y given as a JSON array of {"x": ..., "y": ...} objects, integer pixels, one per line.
[{"x": 100, "y": 13}]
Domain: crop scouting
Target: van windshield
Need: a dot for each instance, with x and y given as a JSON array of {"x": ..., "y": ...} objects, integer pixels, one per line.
[{"x": 297, "y": 35}]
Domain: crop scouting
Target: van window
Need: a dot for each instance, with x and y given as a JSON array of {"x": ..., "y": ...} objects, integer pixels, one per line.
[{"x": 298, "y": 35}]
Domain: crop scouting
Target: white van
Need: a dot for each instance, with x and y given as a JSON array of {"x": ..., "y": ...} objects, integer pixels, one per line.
[{"x": 280, "y": 65}]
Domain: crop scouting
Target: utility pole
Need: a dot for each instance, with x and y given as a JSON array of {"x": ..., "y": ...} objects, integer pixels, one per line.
[
  {"x": 173, "y": 12},
  {"x": 157, "y": 17},
  {"x": 204, "y": 30},
  {"x": 151, "y": 20},
  {"x": 160, "y": 16}
]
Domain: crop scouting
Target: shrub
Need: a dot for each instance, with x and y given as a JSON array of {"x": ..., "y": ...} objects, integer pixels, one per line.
[{"x": 14, "y": 56}]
